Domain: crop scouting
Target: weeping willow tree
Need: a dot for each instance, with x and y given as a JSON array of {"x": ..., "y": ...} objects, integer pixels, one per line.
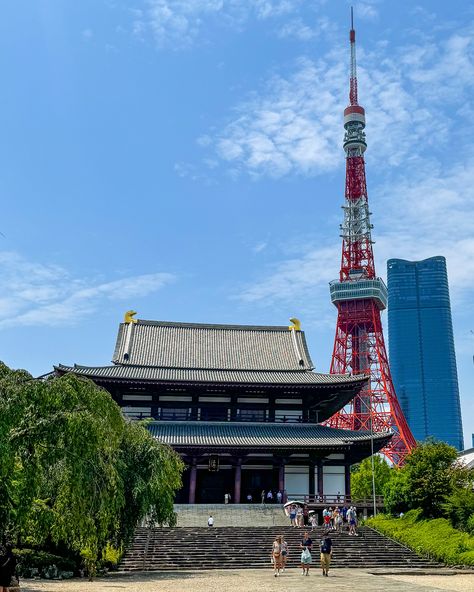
[{"x": 73, "y": 471}]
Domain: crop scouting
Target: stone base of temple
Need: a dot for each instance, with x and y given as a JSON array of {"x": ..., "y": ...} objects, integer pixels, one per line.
[{"x": 231, "y": 515}]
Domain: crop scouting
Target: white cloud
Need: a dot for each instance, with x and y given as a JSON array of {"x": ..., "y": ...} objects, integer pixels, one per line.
[
  {"x": 427, "y": 213},
  {"x": 37, "y": 294},
  {"x": 177, "y": 24},
  {"x": 292, "y": 125},
  {"x": 366, "y": 10}
]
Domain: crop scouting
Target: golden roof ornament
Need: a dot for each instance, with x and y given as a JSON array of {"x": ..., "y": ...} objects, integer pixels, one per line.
[
  {"x": 129, "y": 317},
  {"x": 296, "y": 326}
]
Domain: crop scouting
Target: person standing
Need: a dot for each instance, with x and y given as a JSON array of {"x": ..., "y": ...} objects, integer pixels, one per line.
[
  {"x": 299, "y": 516},
  {"x": 338, "y": 521},
  {"x": 226, "y": 498},
  {"x": 284, "y": 553},
  {"x": 7, "y": 567},
  {"x": 269, "y": 496},
  {"x": 262, "y": 495},
  {"x": 210, "y": 520},
  {"x": 249, "y": 498},
  {"x": 276, "y": 555},
  {"x": 344, "y": 513},
  {"x": 305, "y": 514},
  {"x": 279, "y": 496},
  {"x": 306, "y": 559},
  {"x": 354, "y": 521},
  {"x": 326, "y": 553},
  {"x": 326, "y": 520},
  {"x": 293, "y": 515}
]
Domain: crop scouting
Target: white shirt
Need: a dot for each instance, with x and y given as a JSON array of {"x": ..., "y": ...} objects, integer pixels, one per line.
[{"x": 210, "y": 522}]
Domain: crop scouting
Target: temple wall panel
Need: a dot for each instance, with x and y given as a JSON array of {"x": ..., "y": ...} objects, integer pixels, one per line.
[
  {"x": 334, "y": 482},
  {"x": 297, "y": 479}
]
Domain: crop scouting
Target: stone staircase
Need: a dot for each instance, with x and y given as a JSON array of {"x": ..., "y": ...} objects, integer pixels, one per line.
[{"x": 244, "y": 547}]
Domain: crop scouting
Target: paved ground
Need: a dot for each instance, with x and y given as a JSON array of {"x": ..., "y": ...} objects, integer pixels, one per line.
[{"x": 261, "y": 580}]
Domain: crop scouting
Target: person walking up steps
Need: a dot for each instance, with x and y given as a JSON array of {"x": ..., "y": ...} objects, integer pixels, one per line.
[
  {"x": 210, "y": 521},
  {"x": 325, "y": 548},
  {"x": 276, "y": 555},
  {"x": 306, "y": 559}
]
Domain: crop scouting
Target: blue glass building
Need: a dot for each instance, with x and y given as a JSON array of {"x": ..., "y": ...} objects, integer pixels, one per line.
[{"x": 422, "y": 357}]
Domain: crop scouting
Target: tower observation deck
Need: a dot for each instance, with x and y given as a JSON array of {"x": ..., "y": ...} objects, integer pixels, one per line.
[{"x": 360, "y": 296}]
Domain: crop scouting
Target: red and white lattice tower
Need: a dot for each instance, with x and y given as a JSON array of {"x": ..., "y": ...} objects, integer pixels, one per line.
[{"x": 360, "y": 296}]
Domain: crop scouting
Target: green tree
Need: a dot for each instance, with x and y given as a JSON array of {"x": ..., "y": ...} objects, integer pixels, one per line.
[
  {"x": 361, "y": 477},
  {"x": 427, "y": 480},
  {"x": 432, "y": 474},
  {"x": 73, "y": 471},
  {"x": 459, "y": 507},
  {"x": 397, "y": 493}
]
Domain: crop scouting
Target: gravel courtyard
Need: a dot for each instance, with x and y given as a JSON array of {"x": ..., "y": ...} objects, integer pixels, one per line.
[{"x": 261, "y": 580}]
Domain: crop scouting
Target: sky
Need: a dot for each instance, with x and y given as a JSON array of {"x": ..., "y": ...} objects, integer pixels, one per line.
[{"x": 185, "y": 159}]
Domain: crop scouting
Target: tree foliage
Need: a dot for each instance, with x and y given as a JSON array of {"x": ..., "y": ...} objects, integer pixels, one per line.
[
  {"x": 429, "y": 477},
  {"x": 361, "y": 477},
  {"x": 73, "y": 471}
]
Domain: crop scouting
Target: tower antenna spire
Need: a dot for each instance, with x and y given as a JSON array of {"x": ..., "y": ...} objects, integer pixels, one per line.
[{"x": 353, "y": 81}]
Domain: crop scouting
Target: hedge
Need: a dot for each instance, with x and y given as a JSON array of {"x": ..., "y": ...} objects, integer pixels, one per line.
[
  {"x": 41, "y": 560},
  {"x": 435, "y": 539}
]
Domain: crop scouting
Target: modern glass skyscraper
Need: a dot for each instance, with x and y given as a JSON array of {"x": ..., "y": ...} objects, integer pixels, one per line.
[{"x": 422, "y": 357}]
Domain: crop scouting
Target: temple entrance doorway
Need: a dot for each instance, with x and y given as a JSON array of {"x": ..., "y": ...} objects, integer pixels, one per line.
[
  {"x": 212, "y": 486},
  {"x": 255, "y": 480}
]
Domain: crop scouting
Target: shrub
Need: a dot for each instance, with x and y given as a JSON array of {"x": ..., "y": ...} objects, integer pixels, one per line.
[
  {"x": 435, "y": 539},
  {"x": 459, "y": 507},
  {"x": 470, "y": 524},
  {"x": 111, "y": 557},
  {"x": 29, "y": 559}
]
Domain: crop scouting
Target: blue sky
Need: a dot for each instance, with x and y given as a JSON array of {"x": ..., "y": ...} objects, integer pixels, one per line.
[{"x": 185, "y": 159}]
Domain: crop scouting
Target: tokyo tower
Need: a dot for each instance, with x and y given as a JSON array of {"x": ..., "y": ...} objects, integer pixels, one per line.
[{"x": 360, "y": 296}]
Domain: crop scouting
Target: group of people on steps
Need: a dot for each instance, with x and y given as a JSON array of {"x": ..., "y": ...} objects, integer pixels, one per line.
[{"x": 280, "y": 552}]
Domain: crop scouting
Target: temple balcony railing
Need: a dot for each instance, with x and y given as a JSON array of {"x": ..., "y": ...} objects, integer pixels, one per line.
[{"x": 189, "y": 416}]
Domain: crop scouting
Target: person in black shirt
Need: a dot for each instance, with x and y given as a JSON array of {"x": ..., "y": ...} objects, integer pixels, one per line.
[{"x": 325, "y": 547}]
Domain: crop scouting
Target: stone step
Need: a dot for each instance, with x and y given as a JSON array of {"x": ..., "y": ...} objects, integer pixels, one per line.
[{"x": 246, "y": 547}]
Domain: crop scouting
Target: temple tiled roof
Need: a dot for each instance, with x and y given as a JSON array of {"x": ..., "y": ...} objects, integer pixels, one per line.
[
  {"x": 259, "y": 435},
  {"x": 153, "y": 374},
  {"x": 212, "y": 347}
]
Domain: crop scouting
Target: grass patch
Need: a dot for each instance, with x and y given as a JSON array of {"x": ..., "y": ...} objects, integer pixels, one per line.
[{"x": 435, "y": 539}]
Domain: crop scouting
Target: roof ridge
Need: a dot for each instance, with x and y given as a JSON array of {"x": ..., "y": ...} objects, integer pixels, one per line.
[{"x": 221, "y": 326}]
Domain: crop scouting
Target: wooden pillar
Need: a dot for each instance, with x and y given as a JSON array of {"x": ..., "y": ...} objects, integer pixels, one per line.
[
  {"x": 347, "y": 478},
  {"x": 312, "y": 465},
  {"x": 281, "y": 477},
  {"x": 238, "y": 481},
  {"x": 192, "y": 482},
  {"x": 319, "y": 464}
]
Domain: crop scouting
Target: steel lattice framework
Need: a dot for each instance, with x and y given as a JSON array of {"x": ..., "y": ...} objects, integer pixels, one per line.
[{"x": 360, "y": 296}]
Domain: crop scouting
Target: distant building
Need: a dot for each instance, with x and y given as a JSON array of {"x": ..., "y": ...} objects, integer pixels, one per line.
[
  {"x": 421, "y": 345},
  {"x": 466, "y": 457}
]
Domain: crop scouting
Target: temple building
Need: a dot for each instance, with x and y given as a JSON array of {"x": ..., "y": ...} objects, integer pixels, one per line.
[{"x": 241, "y": 404}]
